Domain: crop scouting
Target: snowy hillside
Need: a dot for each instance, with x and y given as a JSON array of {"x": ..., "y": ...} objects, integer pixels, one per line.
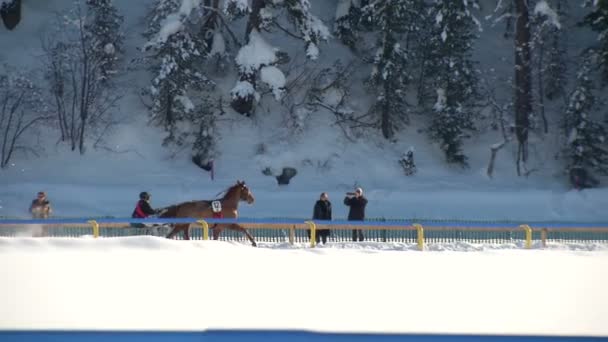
[{"x": 129, "y": 157}]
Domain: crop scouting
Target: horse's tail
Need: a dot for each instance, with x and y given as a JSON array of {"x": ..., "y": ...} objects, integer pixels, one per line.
[{"x": 168, "y": 212}]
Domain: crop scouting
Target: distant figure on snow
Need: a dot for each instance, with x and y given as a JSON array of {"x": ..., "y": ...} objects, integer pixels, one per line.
[
  {"x": 322, "y": 211},
  {"x": 407, "y": 163},
  {"x": 41, "y": 206},
  {"x": 581, "y": 179}
]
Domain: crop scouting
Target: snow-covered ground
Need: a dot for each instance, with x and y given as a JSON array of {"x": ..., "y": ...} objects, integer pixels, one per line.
[
  {"x": 146, "y": 283},
  {"x": 158, "y": 284}
]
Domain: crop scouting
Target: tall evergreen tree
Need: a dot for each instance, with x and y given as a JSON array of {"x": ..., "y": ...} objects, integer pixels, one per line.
[
  {"x": 453, "y": 76},
  {"x": 523, "y": 81},
  {"x": 586, "y": 137},
  {"x": 598, "y": 21},
  {"x": 422, "y": 44},
  {"x": 104, "y": 27},
  {"x": 176, "y": 58},
  {"x": 548, "y": 49},
  {"x": 556, "y": 68},
  {"x": 265, "y": 15},
  {"x": 394, "y": 21},
  {"x": 348, "y": 15}
]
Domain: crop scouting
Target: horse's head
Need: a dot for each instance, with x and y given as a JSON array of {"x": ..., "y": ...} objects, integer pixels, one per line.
[{"x": 246, "y": 194}]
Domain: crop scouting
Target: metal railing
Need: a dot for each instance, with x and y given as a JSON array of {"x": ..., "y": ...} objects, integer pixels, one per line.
[{"x": 298, "y": 230}]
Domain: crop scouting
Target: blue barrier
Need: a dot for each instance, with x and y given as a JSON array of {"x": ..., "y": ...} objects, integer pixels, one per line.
[
  {"x": 269, "y": 335},
  {"x": 388, "y": 223}
]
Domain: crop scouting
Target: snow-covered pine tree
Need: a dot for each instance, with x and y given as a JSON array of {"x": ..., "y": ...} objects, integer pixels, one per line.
[
  {"x": 204, "y": 145},
  {"x": 586, "y": 138},
  {"x": 598, "y": 21},
  {"x": 259, "y": 59},
  {"x": 422, "y": 45},
  {"x": 176, "y": 57},
  {"x": 548, "y": 58},
  {"x": 348, "y": 14},
  {"x": 104, "y": 27},
  {"x": 218, "y": 37},
  {"x": 453, "y": 75},
  {"x": 555, "y": 79},
  {"x": 394, "y": 21},
  {"x": 523, "y": 82}
]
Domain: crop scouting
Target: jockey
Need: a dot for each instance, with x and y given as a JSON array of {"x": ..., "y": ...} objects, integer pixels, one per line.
[{"x": 143, "y": 208}]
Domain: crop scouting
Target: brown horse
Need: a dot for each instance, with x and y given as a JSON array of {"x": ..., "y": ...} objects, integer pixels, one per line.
[{"x": 204, "y": 209}]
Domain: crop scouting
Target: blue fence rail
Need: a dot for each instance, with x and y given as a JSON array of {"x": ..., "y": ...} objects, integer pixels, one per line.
[
  {"x": 270, "y": 335},
  {"x": 418, "y": 232}
]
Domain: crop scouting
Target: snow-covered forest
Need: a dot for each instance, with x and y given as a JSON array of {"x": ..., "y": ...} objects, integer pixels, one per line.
[{"x": 499, "y": 88}]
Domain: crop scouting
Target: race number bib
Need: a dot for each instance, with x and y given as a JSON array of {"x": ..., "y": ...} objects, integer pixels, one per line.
[{"x": 216, "y": 206}]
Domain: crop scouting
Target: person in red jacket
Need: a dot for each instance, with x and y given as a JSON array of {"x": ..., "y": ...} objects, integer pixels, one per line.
[{"x": 142, "y": 209}]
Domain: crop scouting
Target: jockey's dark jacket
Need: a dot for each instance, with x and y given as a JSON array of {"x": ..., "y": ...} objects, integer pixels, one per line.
[
  {"x": 142, "y": 210},
  {"x": 357, "y": 207},
  {"x": 322, "y": 210}
]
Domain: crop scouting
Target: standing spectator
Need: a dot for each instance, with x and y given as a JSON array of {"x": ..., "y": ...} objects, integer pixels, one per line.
[
  {"x": 142, "y": 209},
  {"x": 41, "y": 206},
  {"x": 322, "y": 211},
  {"x": 357, "y": 203}
]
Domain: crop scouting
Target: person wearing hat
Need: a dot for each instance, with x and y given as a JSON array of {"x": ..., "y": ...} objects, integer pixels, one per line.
[
  {"x": 357, "y": 202},
  {"x": 142, "y": 209},
  {"x": 41, "y": 206}
]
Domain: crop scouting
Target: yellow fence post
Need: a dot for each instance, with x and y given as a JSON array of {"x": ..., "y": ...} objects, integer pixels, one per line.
[
  {"x": 205, "y": 228},
  {"x": 95, "y": 228},
  {"x": 528, "y": 231},
  {"x": 313, "y": 233},
  {"x": 420, "y": 233}
]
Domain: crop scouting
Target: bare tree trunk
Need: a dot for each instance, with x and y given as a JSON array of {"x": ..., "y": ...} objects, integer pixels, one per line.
[
  {"x": 211, "y": 22},
  {"x": 523, "y": 84},
  {"x": 255, "y": 20},
  {"x": 541, "y": 89},
  {"x": 73, "y": 113},
  {"x": 387, "y": 125},
  {"x": 57, "y": 74},
  {"x": 494, "y": 151},
  {"x": 85, "y": 88},
  {"x": 509, "y": 21}
]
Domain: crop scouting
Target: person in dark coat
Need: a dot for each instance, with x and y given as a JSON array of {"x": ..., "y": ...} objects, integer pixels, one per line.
[
  {"x": 357, "y": 202},
  {"x": 322, "y": 211},
  {"x": 41, "y": 206},
  {"x": 142, "y": 209}
]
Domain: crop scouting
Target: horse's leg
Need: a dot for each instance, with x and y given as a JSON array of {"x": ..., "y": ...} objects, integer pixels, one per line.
[
  {"x": 217, "y": 230},
  {"x": 186, "y": 232},
  {"x": 172, "y": 232},
  {"x": 176, "y": 229},
  {"x": 244, "y": 231}
]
